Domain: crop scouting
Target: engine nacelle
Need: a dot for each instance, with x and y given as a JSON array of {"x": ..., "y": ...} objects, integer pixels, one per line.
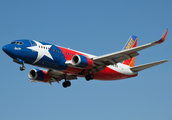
[
  {"x": 38, "y": 75},
  {"x": 82, "y": 61}
]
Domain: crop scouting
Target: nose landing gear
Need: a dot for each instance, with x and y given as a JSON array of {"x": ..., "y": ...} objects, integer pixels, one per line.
[
  {"x": 19, "y": 61},
  {"x": 22, "y": 68}
]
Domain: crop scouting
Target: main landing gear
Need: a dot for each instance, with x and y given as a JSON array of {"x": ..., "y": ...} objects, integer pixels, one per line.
[
  {"x": 66, "y": 84},
  {"x": 89, "y": 77}
]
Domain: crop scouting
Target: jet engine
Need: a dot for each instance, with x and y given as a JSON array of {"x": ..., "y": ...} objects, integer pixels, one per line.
[
  {"x": 82, "y": 61},
  {"x": 38, "y": 75}
]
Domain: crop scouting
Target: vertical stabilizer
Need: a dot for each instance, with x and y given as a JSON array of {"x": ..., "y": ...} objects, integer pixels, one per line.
[{"x": 131, "y": 43}]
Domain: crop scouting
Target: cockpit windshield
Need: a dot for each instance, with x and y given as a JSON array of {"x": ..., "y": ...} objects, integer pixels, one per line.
[{"x": 17, "y": 42}]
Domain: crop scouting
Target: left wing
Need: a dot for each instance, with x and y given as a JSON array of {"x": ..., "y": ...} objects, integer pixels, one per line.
[
  {"x": 113, "y": 58},
  {"x": 145, "y": 66}
]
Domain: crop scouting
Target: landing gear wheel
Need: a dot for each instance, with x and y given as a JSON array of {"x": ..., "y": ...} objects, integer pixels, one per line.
[
  {"x": 87, "y": 78},
  {"x": 22, "y": 68},
  {"x": 66, "y": 84}
]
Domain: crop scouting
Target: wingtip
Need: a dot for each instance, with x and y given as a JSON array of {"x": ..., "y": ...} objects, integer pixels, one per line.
[
  {"x": 165, "y": 34},
  {"x": 167, "y": 60},
  {"x": 163, "y": 37}
]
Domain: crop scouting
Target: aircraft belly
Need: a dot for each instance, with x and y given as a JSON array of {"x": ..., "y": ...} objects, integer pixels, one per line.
[{"x": 72, "y": 71}]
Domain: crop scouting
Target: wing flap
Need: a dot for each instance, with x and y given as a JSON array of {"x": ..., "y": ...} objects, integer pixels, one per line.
[
  {"x": 125, "y": 56},
  {"x": 60, "y": 75},
  {"x": 145, "y": 66}
]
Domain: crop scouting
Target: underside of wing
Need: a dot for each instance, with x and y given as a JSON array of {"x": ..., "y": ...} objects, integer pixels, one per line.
[
  {"x": 37, "y": 75},
  {"x": 59, "y": 75}
]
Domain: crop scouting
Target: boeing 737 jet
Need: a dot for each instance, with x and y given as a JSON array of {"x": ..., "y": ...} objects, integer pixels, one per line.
[{"x": 64, "y": 63}]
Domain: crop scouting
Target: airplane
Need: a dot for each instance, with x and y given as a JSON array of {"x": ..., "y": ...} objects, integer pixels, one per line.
[{"x": 64, "y": 63}]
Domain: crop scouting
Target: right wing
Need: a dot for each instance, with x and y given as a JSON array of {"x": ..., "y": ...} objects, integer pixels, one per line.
[
  {"x": 59, "y": 75},
  {"x": 116, "y": 57}
]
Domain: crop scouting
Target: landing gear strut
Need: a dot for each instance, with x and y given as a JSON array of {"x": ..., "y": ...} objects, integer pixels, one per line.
[{"x": 19, "y": 61}]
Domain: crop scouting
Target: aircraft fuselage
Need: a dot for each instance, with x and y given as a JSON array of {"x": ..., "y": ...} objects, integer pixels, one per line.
[{"x": 50, "y": 56}]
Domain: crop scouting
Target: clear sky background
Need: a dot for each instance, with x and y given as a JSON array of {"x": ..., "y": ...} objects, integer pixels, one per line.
[{"x": 97, "y": 27}]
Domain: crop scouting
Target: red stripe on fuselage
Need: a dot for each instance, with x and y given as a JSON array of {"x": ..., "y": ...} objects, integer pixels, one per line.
[{"x": 69, "y": 53}]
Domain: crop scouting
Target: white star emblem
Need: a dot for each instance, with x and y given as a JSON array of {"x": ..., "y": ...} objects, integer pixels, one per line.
[{"x": 42, "y": 50}]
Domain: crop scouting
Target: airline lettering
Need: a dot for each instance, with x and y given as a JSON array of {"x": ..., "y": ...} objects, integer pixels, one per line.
[
  {"x": 130, "y": 43},
  {"x": 17, "y": 48}
]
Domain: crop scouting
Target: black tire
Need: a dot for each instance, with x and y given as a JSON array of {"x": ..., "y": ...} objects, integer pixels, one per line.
[
  {"x": 68, "y": 83},
  {"x": 87, "y": 77},
  {"x": 22, "y": 68},
  {"x": 64, "y": 85}
]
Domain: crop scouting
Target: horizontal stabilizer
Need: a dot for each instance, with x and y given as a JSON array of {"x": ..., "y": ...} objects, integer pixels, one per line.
[{"x": 145, "y": 66}]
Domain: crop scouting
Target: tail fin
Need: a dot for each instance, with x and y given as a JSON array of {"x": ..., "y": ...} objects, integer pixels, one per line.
[{"x": 131, "y": 43}]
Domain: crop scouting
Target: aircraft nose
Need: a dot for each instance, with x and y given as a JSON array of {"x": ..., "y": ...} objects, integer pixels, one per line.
[
  {"x": 4, "y": 48},
  {"x": 7, "y": 49}
]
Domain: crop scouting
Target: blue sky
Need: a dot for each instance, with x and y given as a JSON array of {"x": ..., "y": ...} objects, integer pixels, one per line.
[{"x": 97, "y": 27}]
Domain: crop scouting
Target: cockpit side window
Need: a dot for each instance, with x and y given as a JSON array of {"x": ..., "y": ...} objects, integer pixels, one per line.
[{"x": 17, "y": 42}]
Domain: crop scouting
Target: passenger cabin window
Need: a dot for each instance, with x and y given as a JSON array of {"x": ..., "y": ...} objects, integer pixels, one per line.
[{"x": 55, "y": 50}]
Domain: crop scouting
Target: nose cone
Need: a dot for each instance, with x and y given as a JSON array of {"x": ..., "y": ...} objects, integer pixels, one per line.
[
  {"x": 8, "y": 49},
  {"x": 5, "y": 49}
]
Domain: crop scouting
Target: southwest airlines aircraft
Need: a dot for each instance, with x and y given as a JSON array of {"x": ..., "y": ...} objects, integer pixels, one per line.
[{"x": 63, "y": 63}]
